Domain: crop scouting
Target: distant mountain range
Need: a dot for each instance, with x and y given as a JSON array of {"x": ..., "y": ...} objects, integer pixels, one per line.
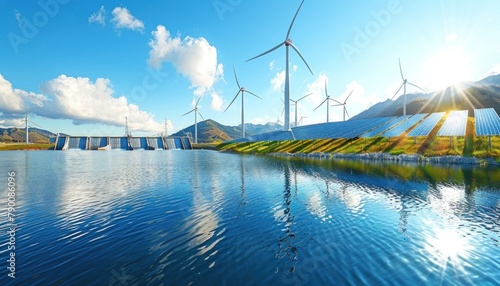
[
  {"x": 36, "y": 135},
  {"x": 210, "y": 131},
  {"x": 465, "y": 96}
]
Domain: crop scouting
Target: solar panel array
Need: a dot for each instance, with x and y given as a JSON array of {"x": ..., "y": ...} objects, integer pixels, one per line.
[
  {"x": 335, "y": 130},
  {"x": 391, "y": 123},
  {"x": 426, "y": 126},
  {"x": 405, "y": 125},
  {"x": 487, "y": 122},
  {"x": 455, "y": 124}
]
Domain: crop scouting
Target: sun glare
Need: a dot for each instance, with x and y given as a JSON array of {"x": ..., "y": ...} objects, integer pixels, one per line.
[
  {"x": 448, "y": 246},
  {"x": 447, "y": 68}
]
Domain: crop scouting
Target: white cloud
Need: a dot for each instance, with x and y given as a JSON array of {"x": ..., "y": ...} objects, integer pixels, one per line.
[
  {"x": 122, "y": 19},
  {"x": 87, "y": 102},
  {"x": 278, "y": 82},
  {"x": 194, "y": 58},
  {"x": 272, "y": 64},
  {"x": 9, "y": 100},
  {"x": 317, "y": 88},
  {"x": 18, "y": 18},
  {"x": 16, "y": 100},
  {"x": 7, "y": 123},
  {"x": 294, "y": 68},
  {"x": 217, "y": 101},
  {"x": 99, "y": 16}
]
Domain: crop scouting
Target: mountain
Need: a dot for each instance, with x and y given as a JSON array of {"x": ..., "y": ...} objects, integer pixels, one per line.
[
  {"x": 210, "y": 130},
  {"x": 464, "y": 96},
  {"x": 19, "y": 135}
]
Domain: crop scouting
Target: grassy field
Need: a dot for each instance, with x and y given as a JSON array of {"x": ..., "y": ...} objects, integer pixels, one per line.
[
  {"x": 22, "y": 146},
  {"x": 430, "y": 146}
]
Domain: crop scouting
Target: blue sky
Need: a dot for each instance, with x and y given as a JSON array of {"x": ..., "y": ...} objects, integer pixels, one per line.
[{"x": 80, "y": 67}]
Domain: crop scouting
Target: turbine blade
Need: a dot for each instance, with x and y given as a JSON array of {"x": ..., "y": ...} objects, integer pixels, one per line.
[
  {"x": 196, "y": 105},
  {"x": 339, "y": 103},
  {"x": 297, "y": 50},
  {"x": 416, "y": 86},
  {"x": 398, "y": 90},
  {"x": 188, "y": 112},
  {"x": 200, "y": 115},
  {"x": 253, "y": 94},
  {"x": 238, "y": 93},
  {"x": 304, "y": 97},
  {"x": 279, "y": 45},
  {"x": 400, "y": 69},
  {"x": 236, "y": 78},
  {"x": 321, "y": 104},
  {"x": 326, "y": 89},
  {"x": 346, "y": 112},
  {"x": 282, "y": 111},
  {"x": 290, "y": 28},
  {"x": 32, "y": 122},
  {"x": 348, "y": 96}
]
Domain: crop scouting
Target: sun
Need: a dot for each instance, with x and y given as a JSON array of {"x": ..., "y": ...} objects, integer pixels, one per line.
[{"x": 446, "y": 68}]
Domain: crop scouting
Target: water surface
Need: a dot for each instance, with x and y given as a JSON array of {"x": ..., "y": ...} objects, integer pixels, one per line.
[{"x": 203, "y": 217}]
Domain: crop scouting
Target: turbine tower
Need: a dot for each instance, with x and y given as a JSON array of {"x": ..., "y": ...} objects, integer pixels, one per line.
[
  {"x": 297, "y": 103},
  {"x": 343, "y": 104},
  {"x": 327, "y": 105},
  {"x": 26, "y": 119},
  {"x": 405, "y": 81},
  {"x": 242, "y": 91},
  {"x": 196, "y": 112},
  {"x": 288, "y": 43}
]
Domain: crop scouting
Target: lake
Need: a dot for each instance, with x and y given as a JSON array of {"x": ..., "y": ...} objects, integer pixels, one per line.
[{"x": 207, "y": 218}]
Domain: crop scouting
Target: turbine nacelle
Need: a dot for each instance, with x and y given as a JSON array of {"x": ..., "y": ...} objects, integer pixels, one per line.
[{"x": 288, "y": 42}]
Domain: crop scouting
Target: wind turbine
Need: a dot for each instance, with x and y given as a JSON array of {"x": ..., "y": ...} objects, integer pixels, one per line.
[
  {"x": 196, "y": 112},
  {"x": 343, "y": 104},
  {"x": 300, "y": 121},
  {"x": 242, "y": 90},
  {"x": 327, "y": 105},
  {"x": 296, "y": 104},
  {"x": 288, "y": 43},
  {"x": 27, "y": 127},
  {"x": 405, "y": 81}
]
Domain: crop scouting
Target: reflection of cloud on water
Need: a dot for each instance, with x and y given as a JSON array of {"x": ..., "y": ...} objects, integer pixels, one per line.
[
  {"x": 447, "y": 200},
  {"x": 352, "y": 198},
  {"x": 315, "y": 205}
]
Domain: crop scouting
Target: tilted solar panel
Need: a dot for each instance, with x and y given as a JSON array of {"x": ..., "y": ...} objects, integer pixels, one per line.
[
  {"x": 455, "y": 124},
  {"x": 391, "y": 123},
  {"x": 426, "y": 126},
  {"x": 487, "y": 122},
  {"x": 405, "y": 125}
]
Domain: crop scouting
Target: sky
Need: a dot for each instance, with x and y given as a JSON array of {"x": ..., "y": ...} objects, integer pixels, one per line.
[{"x": 81, "y": 67}]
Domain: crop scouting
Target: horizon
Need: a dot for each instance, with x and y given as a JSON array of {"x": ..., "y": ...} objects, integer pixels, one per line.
[{"x": 154, "y": 62}]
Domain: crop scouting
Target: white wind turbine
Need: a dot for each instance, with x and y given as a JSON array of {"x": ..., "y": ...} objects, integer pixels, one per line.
[
  {"x": 343, "y": 104},
  {"x": 242, "y": 91},
  {"x": 301, "y": 118},
  {"x": 296, "y": 102},
  {"x": 196, "y": 112},
  {"x": 288, "y": 43},
  {"x": 27, "y": 127},
  {"x": 327, "y": 105},
  {"x": 405, "y": 81}
]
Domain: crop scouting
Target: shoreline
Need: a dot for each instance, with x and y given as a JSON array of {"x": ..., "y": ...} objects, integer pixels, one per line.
[{"x": 382, "y": 157}]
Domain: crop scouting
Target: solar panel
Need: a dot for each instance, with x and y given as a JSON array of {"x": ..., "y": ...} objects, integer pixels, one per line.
[
  {"x": 426, "y": 126},
  {"x": 487, "y": 122},
  {"x": 391, "y": 123},
  {"x": 403, "y": 126},
  {"x": 335, "y": 130},
  {"x": 455, "y": 124}
]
